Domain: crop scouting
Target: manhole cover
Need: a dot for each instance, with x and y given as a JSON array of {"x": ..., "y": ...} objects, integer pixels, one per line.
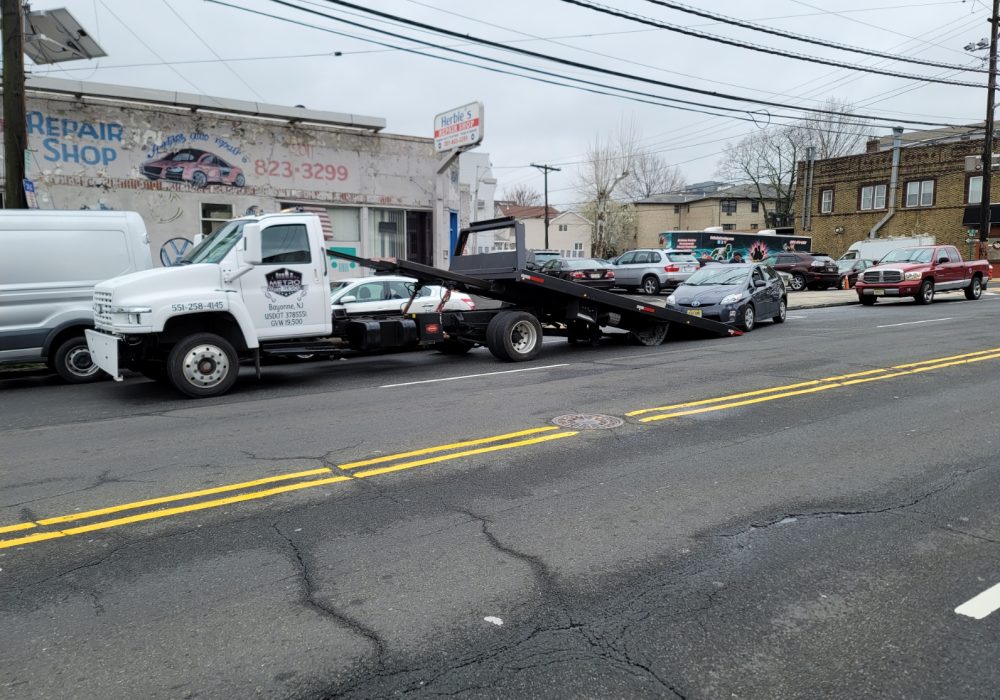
[{"x": 588, "y": 421}]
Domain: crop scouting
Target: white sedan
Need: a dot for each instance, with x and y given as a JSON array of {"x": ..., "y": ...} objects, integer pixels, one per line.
[{"x": 388, "y": 294}]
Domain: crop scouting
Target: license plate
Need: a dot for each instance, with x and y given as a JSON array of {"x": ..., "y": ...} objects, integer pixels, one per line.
[
  {"x": 694, "y": 312},
  {"x": 878, "y": 292},
  {"x": 689, "y": 268},
  {"x": 595, "y": 275}
]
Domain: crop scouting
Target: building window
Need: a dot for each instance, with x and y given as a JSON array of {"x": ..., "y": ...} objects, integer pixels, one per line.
[
  {"x": 564, "y": 227},
  {"x": 754, "y": 206},
  {"x": 825, "y": 201},
  {"x": 728, "y": 206},
  {"x": 578, "y": 246},
  {"x": 974, "y": 192},
  {"x": 677, "y": 208},
  {"x": 872, "y": 197},
  {"x": 920, "y": 193},
  {"x": 387, "y": 233},
  {"x": 214, "y": 215},
  {"x": 728, "y": 227},
  {"x": 753, "y": 227}
]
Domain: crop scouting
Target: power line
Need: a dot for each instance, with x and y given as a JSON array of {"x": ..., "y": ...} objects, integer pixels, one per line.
[
  {"x": 584, "y": 66},
  {"x": 761, "y": 49},
  {"x": 805, "y": 39}
]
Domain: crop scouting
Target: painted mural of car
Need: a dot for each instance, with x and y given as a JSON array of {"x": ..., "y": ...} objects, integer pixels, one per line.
[{"x": 200, "y": 168}]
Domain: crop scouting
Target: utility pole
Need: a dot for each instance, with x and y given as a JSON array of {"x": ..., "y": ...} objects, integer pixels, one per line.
[
  {"x": 15, "y": 127},
  {"x": 545, "y": 169},
  {"x": 984, "y": 211}
]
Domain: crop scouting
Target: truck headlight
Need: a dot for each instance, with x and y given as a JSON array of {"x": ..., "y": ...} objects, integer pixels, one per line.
[
  {"x": 732, "y": 299},
  {"x": 129, "y": 309},
  {"x": 912, "y": 275},
  {"x": 672, "y": 300}
]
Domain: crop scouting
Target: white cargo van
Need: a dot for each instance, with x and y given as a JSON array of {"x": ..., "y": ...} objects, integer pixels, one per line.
[
  {"x": 876, "y": 248},
  {"x": 49, "y": 264}
]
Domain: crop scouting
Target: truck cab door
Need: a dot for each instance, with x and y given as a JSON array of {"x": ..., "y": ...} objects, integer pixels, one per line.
[{"x": 288, "y": 294}]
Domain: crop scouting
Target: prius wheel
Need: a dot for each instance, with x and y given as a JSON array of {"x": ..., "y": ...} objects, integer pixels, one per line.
[{"x": 748, "y": 319}]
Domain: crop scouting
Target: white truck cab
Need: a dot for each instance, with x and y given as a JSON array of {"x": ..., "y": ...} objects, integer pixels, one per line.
[{"x": 253, "y": 280}]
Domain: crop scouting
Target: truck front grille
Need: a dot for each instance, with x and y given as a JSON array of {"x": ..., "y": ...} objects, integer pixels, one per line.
[
  {"x": 102, "y": 300},
  {"x": 880, "y": 276}
]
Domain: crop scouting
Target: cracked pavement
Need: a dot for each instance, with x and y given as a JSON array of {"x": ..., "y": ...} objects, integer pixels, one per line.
[{"x": 814, "y": 547}]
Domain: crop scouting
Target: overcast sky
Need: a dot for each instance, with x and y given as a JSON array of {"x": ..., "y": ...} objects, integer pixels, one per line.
[{"x": 199, "y": 46}]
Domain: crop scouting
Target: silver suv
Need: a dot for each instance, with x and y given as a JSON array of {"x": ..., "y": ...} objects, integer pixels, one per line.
[{"x": 652, "y": 269}]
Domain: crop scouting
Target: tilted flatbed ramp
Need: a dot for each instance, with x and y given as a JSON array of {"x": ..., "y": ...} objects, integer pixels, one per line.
[{"x": 504, "y": 277}]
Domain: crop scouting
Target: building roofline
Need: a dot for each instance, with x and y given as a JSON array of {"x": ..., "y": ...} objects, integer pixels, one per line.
[{"x": 186, "y": 100}]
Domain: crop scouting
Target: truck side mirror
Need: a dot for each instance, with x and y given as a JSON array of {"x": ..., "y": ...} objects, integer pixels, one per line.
[{"x": 252, "y": 254}]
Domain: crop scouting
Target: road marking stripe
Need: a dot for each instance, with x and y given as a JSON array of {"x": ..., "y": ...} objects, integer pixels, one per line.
[
  {"x": 823, "y": 387},
  {"x": 168, "y": 512},
  {"x": 811, "y": 382},
  {"x": 256, "y": 495},
  {"x": 456, "y": 455},
  {"x": 180, "y": 496},
  {"x": 19, "y": 526},
  {"x": 473, "y": 376},
  {"x": 913, "y": 323},
  {"x": 981, "y": 605},
  {"x": 444, "y": 448}
]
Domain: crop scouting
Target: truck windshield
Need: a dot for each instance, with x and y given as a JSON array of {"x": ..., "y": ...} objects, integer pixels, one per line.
[
  {"x": 214, "y": 247},
  {"x": 918, "y": 255}
]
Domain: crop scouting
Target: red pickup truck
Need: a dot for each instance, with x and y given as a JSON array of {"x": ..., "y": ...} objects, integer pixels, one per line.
[{"x": 920, "y": 272}]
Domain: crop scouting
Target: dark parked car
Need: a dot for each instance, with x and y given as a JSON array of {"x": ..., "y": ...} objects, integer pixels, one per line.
[
  {"x": 589, "y": 271},
  {"x": 849, "y": 271},
  {"x": 741, "y": 294},
  {"x": 812, "y": 270}
]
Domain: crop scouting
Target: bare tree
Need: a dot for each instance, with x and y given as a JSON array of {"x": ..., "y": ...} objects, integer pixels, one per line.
[
  {"x": 767, "y": 159},
  {"x": 621, "y": 227},
  {"x": 651, "y": 174},
  {"x": 522, "y": 195},
  {"x": 835, "y": 135},
  {"x": 608, "y": 163}
]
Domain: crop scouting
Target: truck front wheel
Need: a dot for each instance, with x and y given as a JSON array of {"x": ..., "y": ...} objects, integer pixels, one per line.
[
  {"x": 926, "y": 293},
  {"x": 203, "y": 364},
  {"x": 514, "y": 336}
]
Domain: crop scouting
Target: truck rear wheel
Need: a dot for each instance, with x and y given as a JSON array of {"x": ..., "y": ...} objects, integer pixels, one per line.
[
  {"x": 975, "y": 289},
  {"x": 72, "y": 362},
  {"x": 514, "y": 336},
  {"x": 203, "y": 364}
]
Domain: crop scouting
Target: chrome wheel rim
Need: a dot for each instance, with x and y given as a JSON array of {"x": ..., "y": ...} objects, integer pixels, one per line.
[
  {"x": 650, "y": 287},
  {"x": 205, "y": 366},
  {"x": 748, "y": 317},
  {"x": 523, "y": 336},
  {"x": 79, "y": 362},
  {"x": 798, "y": 283},
  {"x": 928, "y": 293}
]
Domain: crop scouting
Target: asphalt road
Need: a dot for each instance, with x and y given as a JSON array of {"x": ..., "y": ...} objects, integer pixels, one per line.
[{"x": 794, "y": 513}]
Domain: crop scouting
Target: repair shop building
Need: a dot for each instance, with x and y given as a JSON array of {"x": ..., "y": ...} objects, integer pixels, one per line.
[{"x": 186, "y": 162}]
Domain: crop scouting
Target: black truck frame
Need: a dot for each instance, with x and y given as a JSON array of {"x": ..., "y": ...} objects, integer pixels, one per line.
[{"x": 529, "y": 299}]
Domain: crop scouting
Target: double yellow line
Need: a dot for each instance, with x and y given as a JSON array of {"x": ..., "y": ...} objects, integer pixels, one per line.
[
  {"x": 721, "y": 403},
  {"x": 45, "y": 528}
]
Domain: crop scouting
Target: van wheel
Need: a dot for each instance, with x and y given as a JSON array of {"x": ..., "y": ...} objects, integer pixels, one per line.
[
  {"x": 975, "y": 289},
  {"x": 72, "y": 362},
  {"x": 651, "y": 285},
  {"x": 203, "y": 364},
  {"x": 514, "y": 336}
]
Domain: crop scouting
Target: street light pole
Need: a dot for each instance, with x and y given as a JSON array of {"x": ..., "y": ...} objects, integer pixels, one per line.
[
  {"x": 545, "y": 169},
  {"x": 15, "y": 127},
  {"x": 984, "y": 211}
]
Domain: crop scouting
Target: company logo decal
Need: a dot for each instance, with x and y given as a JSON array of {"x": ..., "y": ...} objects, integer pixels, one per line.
[{"x": 285, "y": 283}]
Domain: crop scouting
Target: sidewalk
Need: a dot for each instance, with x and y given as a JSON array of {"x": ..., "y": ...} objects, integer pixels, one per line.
[{"x": 808, "y": 299}]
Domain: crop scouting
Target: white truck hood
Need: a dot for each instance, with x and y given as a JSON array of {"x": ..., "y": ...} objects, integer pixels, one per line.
[{"x": 136, "y": 287}]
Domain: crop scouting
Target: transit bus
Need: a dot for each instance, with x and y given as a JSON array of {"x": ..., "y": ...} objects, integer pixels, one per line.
[{"x": 722, "y": 245}]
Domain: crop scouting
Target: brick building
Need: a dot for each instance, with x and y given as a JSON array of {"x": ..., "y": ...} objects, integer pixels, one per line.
[
  {"x": 852, "y": 195},
  {"x": 734, "y": 208}
]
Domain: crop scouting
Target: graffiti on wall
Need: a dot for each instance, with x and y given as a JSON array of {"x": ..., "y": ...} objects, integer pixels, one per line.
[
  {"x": 76, "y": 141},
  {"x": 195, "y": 166}
]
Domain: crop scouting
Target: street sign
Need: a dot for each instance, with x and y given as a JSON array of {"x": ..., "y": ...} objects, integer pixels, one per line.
[
  {"x": 29, "y": 193},
  {"x": 461, "y": 127}
]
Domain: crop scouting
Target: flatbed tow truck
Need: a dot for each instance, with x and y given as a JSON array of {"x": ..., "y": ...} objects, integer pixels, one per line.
[{"x": 259, "y": 287}]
